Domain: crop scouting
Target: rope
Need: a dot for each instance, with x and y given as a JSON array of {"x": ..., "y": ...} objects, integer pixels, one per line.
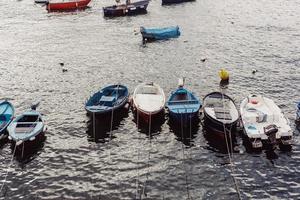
[
  {"x": 8, "y": 168},
  {"x": 138, "y": 171},
  {"x": 229, "y": 153},
  {"x": 183, "y": 159},
  {"x": 149, "y": 156}
]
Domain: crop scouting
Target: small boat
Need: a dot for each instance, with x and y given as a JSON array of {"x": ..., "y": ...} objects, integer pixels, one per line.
[
  {"x": 41, "y": 1},
  {"x": 7, "y": 112},
  {"x": 66, "y": 5},
  {"x": 220, "y": 113},
  {"x": 166, "y": 2},
  {"x": 26, "y": 127},
  {"x": 112, "y": 97},
  {"x": 160, "y": 33},
  {"x": 148, "y": 101},
  {"x": 264, "y": 122},
  {"x": 135, "y": 8},
  {"x": 298, "y": 112},
  {"x": 183, "y": 105}
]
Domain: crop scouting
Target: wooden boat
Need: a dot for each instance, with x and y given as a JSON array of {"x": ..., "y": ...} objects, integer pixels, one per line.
[
  {"x": 26, "y": 127},
  {"x": 135, "y": 8},
  {"x": 264, "y": 122},
  {"x": 220, "y": 113},
  {"x": 7, "y": 112},
  {"x": 183, "y": 105},
  {"x": 160, "y": 33},
  {"x": 67, "y": 5},
  {"x": 148, "y": 101},
  {"x": 166, "y": 2},
  {"x": 112, "y": 97}
]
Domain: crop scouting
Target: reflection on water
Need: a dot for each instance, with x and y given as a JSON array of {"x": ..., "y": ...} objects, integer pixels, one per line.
[{"x": 99, "y": 127}]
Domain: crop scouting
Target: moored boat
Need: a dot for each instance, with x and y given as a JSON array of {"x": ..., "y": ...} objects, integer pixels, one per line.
[
  {"x": 26, "y": 127},
  {"x": 183, "y": 105},
  {"x": 166, "y": 2},
  {"x": 41, "y": 1},
  {"x": 108, "y": 99},
  {"x": 264, "y": 122},
  {"x": 67, "y": 5},
  {"x": 135, "y": 8},
  {"x": 160, "y": 33},
  {"x": 148, "y": 101},
  {"x": 220, "y": 114},
  {"x": 7, "y": 112}
]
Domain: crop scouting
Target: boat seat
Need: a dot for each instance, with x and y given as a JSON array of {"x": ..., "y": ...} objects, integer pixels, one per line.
[
  {"x": 107, "y": 99},
  {"x": 224, "y": 116},
  {"x": 222, "y": 110}
]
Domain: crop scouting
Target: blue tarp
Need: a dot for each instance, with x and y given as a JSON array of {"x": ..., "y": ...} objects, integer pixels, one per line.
[{"x": 160, "y": 33}]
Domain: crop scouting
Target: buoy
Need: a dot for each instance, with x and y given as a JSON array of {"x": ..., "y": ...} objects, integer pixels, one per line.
[
  {"x": 203, "y": 60},
  {"x": 64, "y": 70},
  {"x": 224, "y": 75},
  {"x": 61, "y": 64},
  {"x": 254, "y": 71}
]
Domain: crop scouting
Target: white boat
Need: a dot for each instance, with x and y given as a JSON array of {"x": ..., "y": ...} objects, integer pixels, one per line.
[
  {"x": 26, "y": 127},
  {"x": 148, "y": 100},
  {"x": 264, "y": 122}
]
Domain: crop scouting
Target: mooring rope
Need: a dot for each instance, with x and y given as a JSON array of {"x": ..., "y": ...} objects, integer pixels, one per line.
[
  {"x": 8, "y": 167},
  {"x": 183, "y": 159},
  {"x": 149, "y": 156},
  {"x": 138, "y": 170},
  {"x": 229, "y": 153}
]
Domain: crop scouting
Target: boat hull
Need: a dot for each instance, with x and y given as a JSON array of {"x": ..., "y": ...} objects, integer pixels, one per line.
[
  {"x": 145, "y": 117},
  {"x": 135, "y": 8},
  {"x": 67, "y": 6},
  {"x": 160, "y": 33},
  {"x": 6, "y": 116},
  {"x": 167, "y": 2},
  {"x": 186, "y": 119}
]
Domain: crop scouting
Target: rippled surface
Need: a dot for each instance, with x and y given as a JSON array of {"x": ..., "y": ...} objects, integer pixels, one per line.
[{"x": 237, "y": 35}]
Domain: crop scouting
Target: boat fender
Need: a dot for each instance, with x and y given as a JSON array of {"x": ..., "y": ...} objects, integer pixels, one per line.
[{"x": 32, "y": 138}]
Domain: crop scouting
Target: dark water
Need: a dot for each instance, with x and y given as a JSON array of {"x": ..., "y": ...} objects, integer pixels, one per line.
[{"x": 237, "y": 35}]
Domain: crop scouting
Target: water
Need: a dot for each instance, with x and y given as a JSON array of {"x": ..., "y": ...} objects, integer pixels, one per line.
[{"x": 237, "y": 35}]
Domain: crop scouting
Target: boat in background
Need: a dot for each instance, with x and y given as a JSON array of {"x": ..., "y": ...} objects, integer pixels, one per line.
[
  {"x": 148, "y": 101},
  {"x": 264, "y": 122},
  {"x": 61, "y": 6},
  {"x": 135, "y": 8},
  {"x": 166, "y": 2},
  {"x": 41, "y": 1},
  {"x": 7, "y": 112},
  {"x": 183, "y": 105},
  {"x": 160, "y": 33},
  {"x": 26, "y": 127},
  {"x": 112, "y": 97},
  {"x": 220, "y": 114}
]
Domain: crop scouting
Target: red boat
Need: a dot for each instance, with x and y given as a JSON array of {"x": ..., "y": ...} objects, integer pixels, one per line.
[{"x": 67, "y": 5}]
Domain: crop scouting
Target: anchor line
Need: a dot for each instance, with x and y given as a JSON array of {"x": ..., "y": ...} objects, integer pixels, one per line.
[
  {"x": 229, "y": 153},
  {"x": 183, "y": 159},
  {"x": 138, "y": 171},
  {"x": 149, "y": 155}
]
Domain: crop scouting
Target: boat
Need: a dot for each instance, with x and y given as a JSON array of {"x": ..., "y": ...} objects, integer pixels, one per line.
[
  {"x": 41, "y": 1},
  {"x": 148, "y": 101},
  {"x": 67, "y": 5},
  {"x": 263, "y": 122},
  {"x": 298, "y": 112},
  {"x": 112, "y": 97},
  {"x": 183, "y": 105},
  {"x": 166, "y": 2},
  {"x": 7, "y": 112},
  {"x": 220, "y": 114},
  {"x": 135, "y": 8},
  {"x": 26, "y": 127},
  {"x": 160, "y": 33}
]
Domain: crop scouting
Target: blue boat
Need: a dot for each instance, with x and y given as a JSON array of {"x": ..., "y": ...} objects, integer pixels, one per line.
[
  {"x": 112, "y": 97},
  {"x": 7, "y": 112},
  {"x": 160, "y": 33},
  {"x": 298, "y": 112},
  {"x": 183, "y": 106}
]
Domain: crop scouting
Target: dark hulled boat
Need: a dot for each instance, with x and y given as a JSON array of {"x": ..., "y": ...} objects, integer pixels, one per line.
[{"x": 135, "y": 8}]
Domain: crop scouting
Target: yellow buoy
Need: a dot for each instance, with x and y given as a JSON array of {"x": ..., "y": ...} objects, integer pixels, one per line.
[{"x": 224, "y": 75}]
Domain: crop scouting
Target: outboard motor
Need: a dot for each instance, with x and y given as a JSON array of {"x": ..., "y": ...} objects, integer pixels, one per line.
[{"x": 271, "y": 131}]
